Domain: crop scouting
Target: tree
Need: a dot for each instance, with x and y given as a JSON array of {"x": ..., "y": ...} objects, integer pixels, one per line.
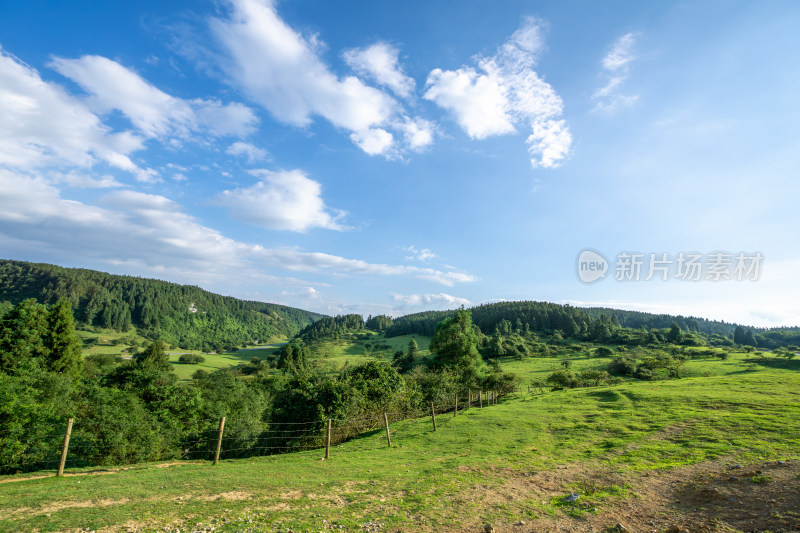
[
  {"x": 154, "y": 356},
  {"x": 411, "y": 356},
  {"x": 455, "y": 343},
  {"x": 413, "y": 349},
  {"x": 739, "y": 335},
  {"x": 749, "y": 339},
  {"x": 674, "y": 335},
  {"x": 22, "y": 339},
  {"x": 63, "y": 346}
]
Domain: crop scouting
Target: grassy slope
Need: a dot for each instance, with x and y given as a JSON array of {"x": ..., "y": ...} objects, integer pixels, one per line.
[
  {"x": 333, "y": 355},
  {"x": 110, "y": 342},
  {"x": 428, "y": 480}
]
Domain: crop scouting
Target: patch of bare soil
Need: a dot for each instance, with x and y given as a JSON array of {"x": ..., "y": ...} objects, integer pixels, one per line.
[
  {"x": 100, "y": 471},
  {"x": 232, "y": 495},
  {"x": 59, "y": 506},
  {"x": 706, "y": 497}
]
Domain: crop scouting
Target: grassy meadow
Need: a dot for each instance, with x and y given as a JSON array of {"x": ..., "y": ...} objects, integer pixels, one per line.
[{"x": 510, "y": 462}]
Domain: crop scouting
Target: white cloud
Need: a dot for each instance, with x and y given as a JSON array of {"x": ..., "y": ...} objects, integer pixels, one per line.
[
  {"x": 251, "y": 152},
  {"x": 430, "y": 301},
  {"x": 151, "y": 110},
  {"x": 380, "y": 62},
  {"x": 80, "y": 180},
  {"x": 503, "y": 92},
  {"x": 616, "y": 69},
  {"x": 549, "y": 143},
  {"x": 478, "y": 101},
  {"x": 621, "y": 53},
  {"x": 280, "y": 69},
  {"x": 293, "y": 259},
  {"x": 417, "y": 133},
  {"x": 286, "y": 200},
  {"x": 151, "y": 233},
  {"x": 42, "y": 125},
  {"x": 373, "y": 141},
  {"x": 418, "y": 255}
]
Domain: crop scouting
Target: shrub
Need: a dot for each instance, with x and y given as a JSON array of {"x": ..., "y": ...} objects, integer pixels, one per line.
[
  {"x": 563, "y": 379},
  {"x": 191, "y": 359},
  {"x": 603, "y": 351}
]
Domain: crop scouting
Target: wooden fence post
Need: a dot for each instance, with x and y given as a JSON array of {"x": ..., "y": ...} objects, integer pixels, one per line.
[
  {"x": 455, "y": 409},
  {"x": 328, "y": 441},
  {"x": 433, "y": 416},
  {"x": 65, "y": 448},
  {"x": 219, "y": 439},
  {"x": 480, "y": 398},
  {"x": 388, "y": 436}
]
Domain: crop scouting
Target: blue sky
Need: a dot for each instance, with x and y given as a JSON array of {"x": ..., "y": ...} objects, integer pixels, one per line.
[{"x": 393, "y": 157}]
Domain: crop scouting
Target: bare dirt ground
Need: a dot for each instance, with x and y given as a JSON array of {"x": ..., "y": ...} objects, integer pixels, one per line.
[{"x": 706, "y": 497}]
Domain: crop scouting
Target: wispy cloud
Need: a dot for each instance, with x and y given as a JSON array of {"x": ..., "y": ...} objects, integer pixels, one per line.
[
  {"x": 152, "y": 111},
  {"x": 411, "y": 302},
  {"x": 282, "y": 70},
  {"x": 44, "y": 126},
  {"x": 503, "y": 92},
  {"x": 616, "y": 69},
  {"x": 380, "y": 62},
  {"x": 251, "y": 152},
  {"x": 153, "y": 234},
  {"x": 418, "y": 255}
]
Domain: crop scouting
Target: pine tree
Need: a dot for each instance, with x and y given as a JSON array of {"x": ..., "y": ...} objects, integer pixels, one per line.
[
  {"x": 22, "y": 334},
  {"x": 739, "y": 335},
  {"x": 64, "y": 347},
  {"x": 749, "y": 339}
]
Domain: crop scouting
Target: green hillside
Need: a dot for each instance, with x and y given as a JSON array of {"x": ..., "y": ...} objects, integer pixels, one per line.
[
  {"x": 182, "y": 315},
  {"x": 651, "y": 455}
]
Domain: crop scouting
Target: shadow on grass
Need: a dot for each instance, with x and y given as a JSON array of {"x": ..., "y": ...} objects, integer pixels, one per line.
[
  {"x": 606, "y": 395},
  {"x": 775, "y": 362}
]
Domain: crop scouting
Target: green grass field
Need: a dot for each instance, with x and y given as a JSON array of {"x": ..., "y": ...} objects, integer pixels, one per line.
[
  {"x": 217, "y": 361},
  {"x": 471, "y": 471}
]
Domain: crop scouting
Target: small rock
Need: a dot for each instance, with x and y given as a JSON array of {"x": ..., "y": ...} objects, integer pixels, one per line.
[
  {"x": 488, "y": 528},
  {"x": 733, "y": 478},
  {"x": 520, "y": 523},
  {"x": 677, "y": 529},
  {"x": 781, "y": 462},
  {"x": 619, "y": 528},
  {"x": 736, "y": 466},
  {"x": 572, "y": 498}
]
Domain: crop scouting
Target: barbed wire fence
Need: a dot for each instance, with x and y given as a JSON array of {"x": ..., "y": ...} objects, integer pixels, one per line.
[{"x": 73, "y": 443}]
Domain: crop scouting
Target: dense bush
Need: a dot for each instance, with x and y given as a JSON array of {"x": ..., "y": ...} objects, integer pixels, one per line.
[{"x": 191, "y": 359}]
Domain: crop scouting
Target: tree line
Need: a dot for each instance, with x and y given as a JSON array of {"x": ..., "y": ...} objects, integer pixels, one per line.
[
  {"x": 182, "y": 315},
  {"x": 136, "y": 410}
]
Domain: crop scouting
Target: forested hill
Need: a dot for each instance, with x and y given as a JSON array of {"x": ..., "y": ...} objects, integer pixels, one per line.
[
  {"x": 638, "y": 319},
  {"x": 183, "y": 315},
  {"x": 579, "y": 322}
]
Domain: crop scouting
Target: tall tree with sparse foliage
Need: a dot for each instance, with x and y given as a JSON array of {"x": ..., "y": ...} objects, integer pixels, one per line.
[{"x": 455, "y": 343}]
